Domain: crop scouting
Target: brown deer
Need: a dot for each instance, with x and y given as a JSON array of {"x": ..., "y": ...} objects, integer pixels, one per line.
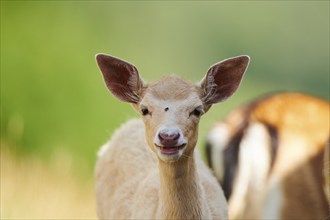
[
  {"x": 272, "y": 158},
  {"x": 149, "y": 169}
]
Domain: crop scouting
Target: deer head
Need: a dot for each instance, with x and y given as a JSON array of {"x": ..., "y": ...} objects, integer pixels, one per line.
[{"x": 171, "y": 108}]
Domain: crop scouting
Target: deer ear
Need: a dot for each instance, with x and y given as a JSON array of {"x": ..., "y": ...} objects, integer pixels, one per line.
[
  {"x": 121, "y": 78},
  {"x": 222, "y": 79}
]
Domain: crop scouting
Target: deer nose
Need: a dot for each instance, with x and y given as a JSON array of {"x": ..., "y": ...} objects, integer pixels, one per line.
[
  {"x": 169, "y": 136},
  {"x": 168, "y": 140}
]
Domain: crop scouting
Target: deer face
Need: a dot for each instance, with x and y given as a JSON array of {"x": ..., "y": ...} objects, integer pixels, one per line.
[{"x": 171, "y": 108}]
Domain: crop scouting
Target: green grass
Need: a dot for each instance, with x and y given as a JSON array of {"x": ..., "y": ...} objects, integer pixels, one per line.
[{"x": 52, "y": 94}]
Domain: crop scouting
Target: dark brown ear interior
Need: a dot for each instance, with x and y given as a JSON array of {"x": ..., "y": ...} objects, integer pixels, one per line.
[
  {"x": 121, "y": 78},
  {"x": 223, "y": 79}
]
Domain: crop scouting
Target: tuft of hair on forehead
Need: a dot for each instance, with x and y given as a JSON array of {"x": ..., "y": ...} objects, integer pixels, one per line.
[{"x": 172, "y": 88}]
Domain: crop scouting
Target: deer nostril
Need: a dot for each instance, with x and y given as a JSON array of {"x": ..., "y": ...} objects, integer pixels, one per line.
[
  {"x": 175, "y": 136},
  {"x": 165, "y": 136},
  {"x": 160, "y": 137}
]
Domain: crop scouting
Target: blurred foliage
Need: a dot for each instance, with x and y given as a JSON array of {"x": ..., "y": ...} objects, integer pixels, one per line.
[{"x": 52, "y": 94}]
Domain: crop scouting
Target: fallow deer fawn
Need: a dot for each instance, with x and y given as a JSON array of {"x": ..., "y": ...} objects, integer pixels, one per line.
[
  {"x": 272, "y": 158},
  {"x": 149, "y": 169}
]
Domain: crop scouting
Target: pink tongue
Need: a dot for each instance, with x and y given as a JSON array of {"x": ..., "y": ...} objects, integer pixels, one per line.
[{"x": 169, "y": 150}]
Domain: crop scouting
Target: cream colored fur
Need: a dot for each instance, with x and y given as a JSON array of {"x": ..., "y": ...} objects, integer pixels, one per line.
[{"x": 128, "y": 183}]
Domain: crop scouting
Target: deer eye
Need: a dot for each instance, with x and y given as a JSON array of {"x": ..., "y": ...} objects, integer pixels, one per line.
[
  {"x": 144, "y": 111},
  {"x": 197, "y": 112}
]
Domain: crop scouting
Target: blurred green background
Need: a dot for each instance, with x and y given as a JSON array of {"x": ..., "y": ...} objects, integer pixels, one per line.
[
  {"x": 53, "y": 98},
  {"x": 52, "y": 93}
]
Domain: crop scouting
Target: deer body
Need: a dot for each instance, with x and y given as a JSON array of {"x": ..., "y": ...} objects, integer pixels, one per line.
[
  {"x": 273, "y": 158},
  {"x": 149, "y": 169},
  {"x": 128, "y": 187}
]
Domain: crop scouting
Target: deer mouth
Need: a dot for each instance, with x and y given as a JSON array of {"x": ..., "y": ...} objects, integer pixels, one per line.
[{"x": 170, "y": 150}]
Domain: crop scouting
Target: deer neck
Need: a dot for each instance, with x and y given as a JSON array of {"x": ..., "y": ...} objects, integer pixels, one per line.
[{"x": 181, "y": 194}]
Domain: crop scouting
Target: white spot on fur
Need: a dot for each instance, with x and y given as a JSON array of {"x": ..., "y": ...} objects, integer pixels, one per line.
[
  {"x": 218, "y": 138},
  {"x": 253, "y": 166}
]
